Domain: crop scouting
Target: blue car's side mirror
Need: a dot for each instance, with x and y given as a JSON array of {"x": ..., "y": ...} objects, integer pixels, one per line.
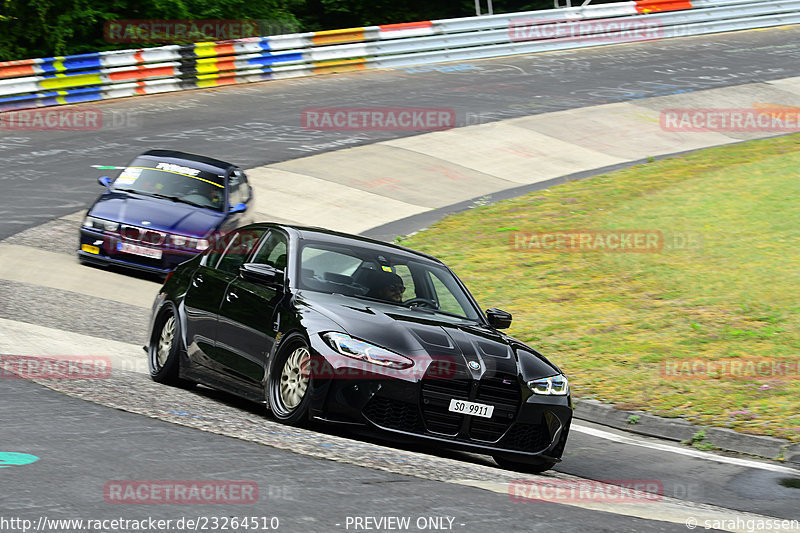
[
  {"x": 238, "y": 208},
  {"x": 105, "y": 181}
]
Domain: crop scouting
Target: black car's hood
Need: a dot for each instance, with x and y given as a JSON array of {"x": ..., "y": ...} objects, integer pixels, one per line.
[
  {"x": 411, "y": 332},
  {"x": 160, "y": 214}
]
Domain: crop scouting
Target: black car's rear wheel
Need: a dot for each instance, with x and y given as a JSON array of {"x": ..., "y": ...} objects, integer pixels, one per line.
[
  {"x": 289, "y": 382},
  {"x": 165, "y": 350},
  {"x": 164, "y": 347},
  {"x": 533, "y": 467}
]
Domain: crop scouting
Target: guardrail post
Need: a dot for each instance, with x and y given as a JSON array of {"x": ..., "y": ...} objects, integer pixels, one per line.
[{"x": 489, "y": 7}]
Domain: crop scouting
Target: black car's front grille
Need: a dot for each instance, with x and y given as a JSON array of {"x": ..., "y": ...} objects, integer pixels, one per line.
[
  {"x": 433, "y": 417},
  {"x": 436, "y": 396},
  {"x": 527, "y": 438},
  {"x": 443, "y": 381},
  {"x": 394, "y": 414},
  {"x": 501, "y": 391}
]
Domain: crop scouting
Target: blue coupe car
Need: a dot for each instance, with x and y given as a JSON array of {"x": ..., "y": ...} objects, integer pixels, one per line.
[{"x": 163, "y": 209}]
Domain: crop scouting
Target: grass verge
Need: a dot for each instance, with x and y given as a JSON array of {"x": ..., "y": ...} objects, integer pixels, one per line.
[{"x": 705, "y": 325}]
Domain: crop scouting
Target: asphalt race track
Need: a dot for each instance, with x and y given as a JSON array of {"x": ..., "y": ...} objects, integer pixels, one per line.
[{"x": 90, "y": 433}]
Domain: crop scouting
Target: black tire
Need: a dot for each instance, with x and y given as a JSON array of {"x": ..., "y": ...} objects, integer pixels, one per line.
[
  {"x": 534, "y": 467},
  {"x": 289, "y": 383},
  {"x": 163, "y": 352}
]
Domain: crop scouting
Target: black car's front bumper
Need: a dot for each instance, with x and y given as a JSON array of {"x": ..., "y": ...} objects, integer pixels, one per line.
[{"x": 523, "y": 424}]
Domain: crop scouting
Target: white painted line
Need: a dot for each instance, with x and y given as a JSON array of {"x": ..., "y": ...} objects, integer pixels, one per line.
[
  {"x": 30, "y": 340},
  {"x": 692, "y": 515},
  {"x": 691, "y": 452}
]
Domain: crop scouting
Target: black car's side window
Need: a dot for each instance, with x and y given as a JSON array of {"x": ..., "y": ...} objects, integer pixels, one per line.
[
  {"x": 217, "y": 248},
  {"x": 238, "y": 250},
  {"x": 272, "y": 251}
]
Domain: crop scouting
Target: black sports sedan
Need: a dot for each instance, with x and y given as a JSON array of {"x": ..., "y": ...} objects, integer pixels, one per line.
[
  {"x": 162, "y": 209},
  {"x": 334, "y": 327}
]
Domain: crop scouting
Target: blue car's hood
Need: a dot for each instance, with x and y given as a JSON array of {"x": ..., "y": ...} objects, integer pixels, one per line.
[{"x": 162, "y": 214}]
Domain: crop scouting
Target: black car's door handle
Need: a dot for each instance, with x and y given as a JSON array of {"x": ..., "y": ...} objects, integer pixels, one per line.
[
  {"x": 197, "y": 281},
  {"x": 231, "y": 296}
]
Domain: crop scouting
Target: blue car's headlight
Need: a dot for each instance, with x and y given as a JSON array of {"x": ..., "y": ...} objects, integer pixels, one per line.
[
  {"x": 364, "y": 351},
  {"x": 191, "y": 243},
  {"x": 552, "y": 386},
  {"x": 100, "y": 223}
]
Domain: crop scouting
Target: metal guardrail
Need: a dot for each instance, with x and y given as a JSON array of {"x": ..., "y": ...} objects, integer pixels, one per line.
[{"x": 103, "y": 75}]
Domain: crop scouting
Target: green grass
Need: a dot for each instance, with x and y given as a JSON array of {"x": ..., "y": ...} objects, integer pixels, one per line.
[{"x": 613, "y": 320}]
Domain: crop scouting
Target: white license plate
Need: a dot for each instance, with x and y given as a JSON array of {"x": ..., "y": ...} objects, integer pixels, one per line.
[
  {"x": 138, "y": 250},
  {"x": 471, "y": 408}
]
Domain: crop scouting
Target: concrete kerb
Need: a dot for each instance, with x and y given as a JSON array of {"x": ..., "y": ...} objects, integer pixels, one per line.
[{"x": 680, "y": 430}]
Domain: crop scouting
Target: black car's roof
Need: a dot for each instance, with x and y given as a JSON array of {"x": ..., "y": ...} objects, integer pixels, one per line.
[
  {"x": 326, "y": 235},
  {"x": 217, "y": 166}
]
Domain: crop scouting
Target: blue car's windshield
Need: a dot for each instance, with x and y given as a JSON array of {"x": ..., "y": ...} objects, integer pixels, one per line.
[{"x": 178, "y": 182}]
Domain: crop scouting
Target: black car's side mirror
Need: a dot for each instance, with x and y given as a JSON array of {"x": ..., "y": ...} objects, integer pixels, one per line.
[
  {"x": 498, "y": 318},
  {"x": 261, "y": 273},
  {"x": 105, "y": 181}
]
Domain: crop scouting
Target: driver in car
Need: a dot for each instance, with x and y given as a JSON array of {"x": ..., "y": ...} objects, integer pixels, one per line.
[
  {"x": 390, "y": 287},
  {"x": 216, "y": 197}
]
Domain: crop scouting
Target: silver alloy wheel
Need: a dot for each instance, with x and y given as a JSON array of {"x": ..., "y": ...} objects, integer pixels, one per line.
[
  {"x": 294, "y": 378},
  {"x": 165, "y": 341}
]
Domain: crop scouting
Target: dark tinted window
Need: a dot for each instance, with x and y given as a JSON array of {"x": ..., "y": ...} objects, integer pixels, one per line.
[
  {"x": 272, "y": 251},
  {"x": 239, "y": 247}
]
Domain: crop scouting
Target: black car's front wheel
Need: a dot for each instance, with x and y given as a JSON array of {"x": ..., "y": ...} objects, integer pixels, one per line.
[
  {"x": 289, "y": 382},
  {"x": 533, "y": 467}
]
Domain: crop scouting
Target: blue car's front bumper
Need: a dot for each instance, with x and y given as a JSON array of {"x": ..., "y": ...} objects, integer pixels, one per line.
[{"x": 103, "y": 249}]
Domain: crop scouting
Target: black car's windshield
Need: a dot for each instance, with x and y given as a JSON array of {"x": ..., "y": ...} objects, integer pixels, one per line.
[
  {"x": 177, "y": 182},
  {"x": 381, "y": 275}
]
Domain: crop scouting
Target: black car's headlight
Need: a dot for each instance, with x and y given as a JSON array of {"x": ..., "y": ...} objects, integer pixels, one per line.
[
  {"x": 191, "y": 243},
  {"x": 552, "y": 386},
  {"x": 364, "y": 351},
  {"x": 100, "y": 223}
]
